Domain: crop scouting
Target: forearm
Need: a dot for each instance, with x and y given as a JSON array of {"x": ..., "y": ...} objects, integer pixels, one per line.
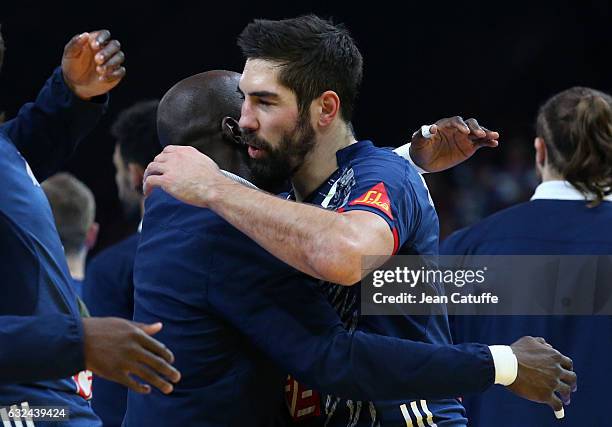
[
  {"x": 23, "y": 337},
  {"x": 315, "y": 241},
  {"x": 372, "y": 367},
  {"x": 47, "y": 131}
]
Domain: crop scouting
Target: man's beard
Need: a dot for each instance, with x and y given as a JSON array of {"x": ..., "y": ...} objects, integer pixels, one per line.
[{"x": 278, "y": 165}]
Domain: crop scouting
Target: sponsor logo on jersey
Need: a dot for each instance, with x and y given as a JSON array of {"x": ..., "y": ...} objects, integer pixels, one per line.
[{"x": 377, "y": 198}]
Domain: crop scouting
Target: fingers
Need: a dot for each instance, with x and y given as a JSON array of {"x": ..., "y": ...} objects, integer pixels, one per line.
[
  {"x": 565, "y": 392},
  {"x": 567, "y": 363},
  {"x": 555, "y": 403},
  {"x": 156, "y": 167},
  {"x": 134, "y": 385},
  {"x": 151, "y": 329},
  {"x": 458, "y": 123},
  {"x": 162, "y": 367},
  {"x": 492, "y": 135},
  {"x": 108, "y": 52},
  {"x": 110, "y": 76},
  {"x": 475, "y": 128},
  {"x": 98, "y": 39},
  {"x": 75, "y": 45},
  {"x": 150, "y": 183},
  {"x": 570, "y": 378},
  {"x": 150, "y": 377},
  {"x": 156, "y": 347}
]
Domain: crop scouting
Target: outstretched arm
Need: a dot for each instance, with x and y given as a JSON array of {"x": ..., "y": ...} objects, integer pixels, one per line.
[{"x": 47, "y": 131}]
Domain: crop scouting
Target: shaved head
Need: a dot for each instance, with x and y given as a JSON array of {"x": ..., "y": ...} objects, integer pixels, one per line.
[
  {"x": 192, "y": 111},
  {"x": 202, "y": 111}
]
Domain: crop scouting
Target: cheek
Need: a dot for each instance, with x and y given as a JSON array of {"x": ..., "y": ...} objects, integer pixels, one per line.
[{"x": 274, "y": 126}]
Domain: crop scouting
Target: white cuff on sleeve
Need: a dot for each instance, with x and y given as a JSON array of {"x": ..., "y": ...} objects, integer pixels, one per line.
[
  {"x": 404, "y": 151},
  {"x": 506, "y": 364}
]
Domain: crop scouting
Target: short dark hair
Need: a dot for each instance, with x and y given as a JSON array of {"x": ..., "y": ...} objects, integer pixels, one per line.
[
  {"x": 135, "y": 131},
  {"x": 74, "y": 209},
  {"x": 576, "y": 126},
  {"x": 316, "y": 55}
]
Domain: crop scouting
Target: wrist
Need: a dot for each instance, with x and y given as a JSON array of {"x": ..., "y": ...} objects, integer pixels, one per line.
[
  {"x": 217, "y": 188},
  {"x": 75, "y": 89},
  {"x": 506, "y": 364}
]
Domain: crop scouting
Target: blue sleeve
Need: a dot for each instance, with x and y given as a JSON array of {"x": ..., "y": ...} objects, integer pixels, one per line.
[
  {"x": 279, "y": 312},
  {"x": 383, "y": 186},
  {"x": 37, "y": 348},
  {"x": 47, "y": 131}
]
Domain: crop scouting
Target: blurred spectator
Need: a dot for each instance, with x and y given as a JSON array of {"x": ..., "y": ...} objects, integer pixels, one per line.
[
  {"x": 109, "y": 289},
  {"x": 74, "y": 211}
]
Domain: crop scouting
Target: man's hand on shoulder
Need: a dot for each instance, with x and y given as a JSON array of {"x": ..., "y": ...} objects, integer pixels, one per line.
[{"x": 92, "y": 64}]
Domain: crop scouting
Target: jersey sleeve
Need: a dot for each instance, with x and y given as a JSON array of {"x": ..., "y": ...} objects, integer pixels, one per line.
[
  {"x": 382, "y": 187},
  {"x": 47, "y": 131},
  {"x": 38, "y": 348}
]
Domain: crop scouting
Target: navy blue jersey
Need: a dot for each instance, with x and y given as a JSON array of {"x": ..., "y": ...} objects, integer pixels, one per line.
[
  {"x": 77, "y": 286},
  {"x": 379, "y": 181},
  {"x": 238, "y": 320},
  {"x": 542, "y": 227},
  {"x": 109, "y": 291},
  {"x": 35, "y": 278}
]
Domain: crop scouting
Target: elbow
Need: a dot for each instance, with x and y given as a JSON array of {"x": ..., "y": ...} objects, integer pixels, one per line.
[{"x": 340, "y": 263}]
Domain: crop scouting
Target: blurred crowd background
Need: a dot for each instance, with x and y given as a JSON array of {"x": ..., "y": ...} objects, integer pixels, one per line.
[{"x": 493, "y": 61}]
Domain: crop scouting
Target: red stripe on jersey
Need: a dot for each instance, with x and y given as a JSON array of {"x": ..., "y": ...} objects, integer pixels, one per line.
[{"x": 395, "y": 241}]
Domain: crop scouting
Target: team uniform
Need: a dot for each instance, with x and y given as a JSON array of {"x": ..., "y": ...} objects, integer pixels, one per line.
[
  {"x": 238, "y": 320},
  {"x": 77, "y": 286},
  {"x": 379, "y": 181},
  {"x": 37, "y": 303},
  {"x": 109, "y": 291},
  {"x": 555, "y": 222}
]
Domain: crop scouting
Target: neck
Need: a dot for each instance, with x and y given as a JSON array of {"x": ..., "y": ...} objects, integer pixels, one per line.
[
  {"x": 549, "y": 174},
  {"x": 76, "y": 265},
  {"x": 321, "y": 162}
]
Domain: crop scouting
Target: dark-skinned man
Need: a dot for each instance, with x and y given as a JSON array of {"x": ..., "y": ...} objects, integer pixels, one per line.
[
  {"x": 299, "y": 85},
  {"x": 43, "y": 341},
  {"x": 240, "y": 319}
]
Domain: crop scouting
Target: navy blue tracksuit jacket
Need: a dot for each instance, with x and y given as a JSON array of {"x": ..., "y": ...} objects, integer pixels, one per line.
[{"x": 238, "y": 320}]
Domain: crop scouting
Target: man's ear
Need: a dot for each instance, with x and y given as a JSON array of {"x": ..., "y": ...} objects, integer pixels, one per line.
[
  {"x": 92, "y": 235},
  {"x": 231, "y": 129},
  {"x": 329, "y": 108},
  {"x": 136, "y": 173},
  {"x": 540, "y": 152}
]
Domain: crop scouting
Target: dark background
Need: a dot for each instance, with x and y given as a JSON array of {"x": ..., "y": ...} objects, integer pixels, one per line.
[{"x": 423, "y": 61}]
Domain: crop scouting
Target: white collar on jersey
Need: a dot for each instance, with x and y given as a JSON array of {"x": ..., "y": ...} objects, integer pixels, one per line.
[{"x": 560, "y": 190}]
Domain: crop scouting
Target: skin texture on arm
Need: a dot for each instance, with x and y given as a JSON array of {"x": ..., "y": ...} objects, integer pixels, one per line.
[{"x": 323, "y": 244}]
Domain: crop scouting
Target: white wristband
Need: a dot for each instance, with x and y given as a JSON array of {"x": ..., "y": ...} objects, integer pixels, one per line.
[
  {"x": 404, "y": 151},
  {"x": 506, "y": 364}
]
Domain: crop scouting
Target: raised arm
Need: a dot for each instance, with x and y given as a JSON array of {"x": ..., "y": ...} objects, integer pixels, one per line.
[{"x": 47, "y": 131}]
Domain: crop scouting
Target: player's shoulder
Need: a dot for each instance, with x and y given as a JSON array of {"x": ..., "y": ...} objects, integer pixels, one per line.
[
  {"x": 371, "y": 162},
  {"x": 488, "y": 228}
]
